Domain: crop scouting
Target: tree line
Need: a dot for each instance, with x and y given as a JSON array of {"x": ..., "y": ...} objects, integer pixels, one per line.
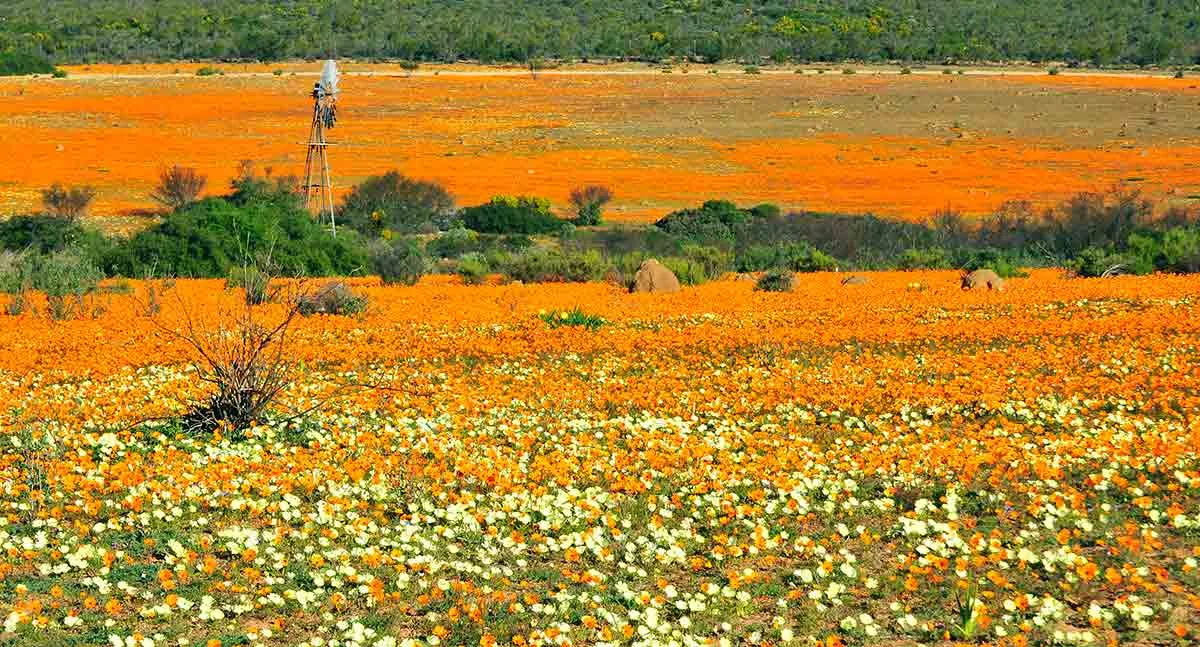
[{"x": 1100, "y": 32}]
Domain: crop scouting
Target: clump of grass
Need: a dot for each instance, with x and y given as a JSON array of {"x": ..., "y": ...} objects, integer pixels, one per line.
[
  {"x": 752, "y": 69},
  {"x": 574, "y": 317},
  {"x": 1054, "y": 71},
  {"x": 905, "y": 70},
  {"x": 849, "y": 70},
  {"x": 209, "y": 70}
]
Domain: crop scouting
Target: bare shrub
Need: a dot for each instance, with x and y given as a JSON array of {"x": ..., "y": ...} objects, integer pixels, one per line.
[
  {"x": 69, "y": 203},
  {"x": 178, "y": 187},
  {"x": 244, "y": 357}
]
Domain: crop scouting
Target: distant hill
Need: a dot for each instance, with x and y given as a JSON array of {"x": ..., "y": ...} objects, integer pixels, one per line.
[{"x": 1106, "y": 32}]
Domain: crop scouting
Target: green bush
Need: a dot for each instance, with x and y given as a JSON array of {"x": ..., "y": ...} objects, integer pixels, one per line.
[
  {"x": 797, "y": 257},
  {"x": 714, "y": 222},
  {"x": 398, "y": 261},
  {"x": 553, "y": 266},
  {"x": 929, "y": 258},
  {"x": 44, "y": 234},
  {"x": 776, "y": 281},
  {"x": 209, "y": 70},
  {"x": 214, "y": 235},
  {"x": 1101, "y": 261},
  {"x": 512, "y": 215},
  {"x": 66, "y": 276},
  {"x": 23, "y": 63},
  {"x": 454, "y": 243},
  {"x": 574, "y": 317},
  {"x": 393, "y": 202},
  {"x": 1181, "y": 250},
  {"x": 473, "y": 269},
  {"x": 1002, "y": 263}
]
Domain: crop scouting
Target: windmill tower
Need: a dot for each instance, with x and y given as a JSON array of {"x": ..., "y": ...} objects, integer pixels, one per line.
[{"x": 317, "y": 187}]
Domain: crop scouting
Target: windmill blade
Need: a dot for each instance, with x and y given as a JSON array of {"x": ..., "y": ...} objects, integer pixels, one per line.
[{"x": 329, "y": 77}]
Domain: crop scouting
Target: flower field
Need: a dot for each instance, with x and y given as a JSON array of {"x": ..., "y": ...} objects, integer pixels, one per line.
[
  {"x": 894, "y": 463},
  {"x": 896, "y": 145}
]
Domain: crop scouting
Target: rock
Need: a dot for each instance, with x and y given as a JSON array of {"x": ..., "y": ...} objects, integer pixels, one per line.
[
  {"x": 855, "y": 280},
  {"x": 654, "y": 277},
  {"x": 981, "y": 279},
  {"x": 745, "y": 276}
]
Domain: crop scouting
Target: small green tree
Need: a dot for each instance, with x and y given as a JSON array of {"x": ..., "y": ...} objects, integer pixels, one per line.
[
  {"x": 398, "y": 261},
  {"x": 589, "y": 202}
]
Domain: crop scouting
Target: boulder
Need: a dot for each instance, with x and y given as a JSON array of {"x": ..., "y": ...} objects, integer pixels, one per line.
[
  {"x": 855, "y": 280},
  {"x": 982, "y": 279},
  {"x": 654, "y": 277}
]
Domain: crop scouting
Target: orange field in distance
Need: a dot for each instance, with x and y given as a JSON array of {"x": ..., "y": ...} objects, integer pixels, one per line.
[{"x": 896, "y": 145}]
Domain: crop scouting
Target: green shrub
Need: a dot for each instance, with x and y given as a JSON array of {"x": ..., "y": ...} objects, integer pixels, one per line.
[
  {"x": 398, "y": 261},
  {"x": 512, "y": 215},
  {"x": 776, "y": 281},
  {"x": 473, "y": 269},
  {"x": 23, "y": 63},
  {"x": 574, "y": 317},
  {"x": 59, "y": 73},
  {"x": 752, "y": 69},
  {"x": 332, "y": 299},
  {"x": 1100, "y": 261},
  {"x": 929, "y": 258},
  {"x": 211, "y": 237},
  {"x": 393, "y": 202},
  {"x": 66, "y": 276},
  {"x": 1002, "y": 263},
  {"x": 553, "y": 266},
  {"x": 797, "y": 257},
  {"x": 44, "y": 234},
  {"x": 1181, "y": 250},
  {"x": 714, "y": 222},
  {"x": 454, "y": 243},
  {"x": 209, "y": 70}
]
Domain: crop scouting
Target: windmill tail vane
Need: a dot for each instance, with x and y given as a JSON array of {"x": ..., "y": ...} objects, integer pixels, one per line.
[{"x": 318, "y": 187}]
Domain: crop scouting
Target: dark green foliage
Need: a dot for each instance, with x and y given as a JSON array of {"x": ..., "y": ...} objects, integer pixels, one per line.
[
  {"x": 332, "y": 299},
  {"x": 574, "y": 317},
  {"x": 796, "y": 257},
  {"x": 715, "y": 222},
  {"x": 14, "y": 63},
  {"x": 512, "y": 215},
  {"x": 398, "y": 261},
  {"x": 554, "y": 266},
  {"x": 775, "y": 281},
  {"x": 925, "y": 258},
  {"x": 208, "y": 238},
  {"x": 45, "y": 234},
  {"x": 1140, "y": 32},
  {"x": 393, "y": 202},
  {"x": 1004, "y": 264},
  {"x": 1099, "y": 261}
]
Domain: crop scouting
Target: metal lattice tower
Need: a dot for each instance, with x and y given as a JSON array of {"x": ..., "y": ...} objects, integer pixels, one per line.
[{"x": 317, "y": 185}]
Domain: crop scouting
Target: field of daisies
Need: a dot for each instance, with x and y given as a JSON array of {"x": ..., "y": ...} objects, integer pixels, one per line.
[{"x": 900, "y": 462}]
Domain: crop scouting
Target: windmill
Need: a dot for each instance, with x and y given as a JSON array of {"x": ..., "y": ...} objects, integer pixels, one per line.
[{"x": 317, "y": 187}]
